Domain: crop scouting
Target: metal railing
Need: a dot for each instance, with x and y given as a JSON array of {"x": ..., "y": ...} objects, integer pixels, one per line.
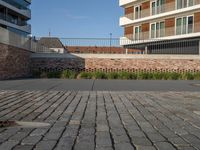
[
  {"x": 23, "y": 42},
  {"x": 12, "y": 20},
  {"x": 171, "y": 31},
  {"x": 130, "y": 45},
  {"x": 167, "y": 7}
]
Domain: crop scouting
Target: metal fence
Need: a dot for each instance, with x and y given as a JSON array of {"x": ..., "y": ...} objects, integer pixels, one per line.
[
  {"x": 107, "y": 45},
  {"x": 189, "y": 46},
  {"x": 23, "y": 42}
]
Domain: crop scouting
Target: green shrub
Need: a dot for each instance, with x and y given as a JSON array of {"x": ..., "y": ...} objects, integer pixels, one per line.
[
  {"x": 187, "y": 76},
  {"x": 124, "y": 75},
  {"x": 100, "y": 75},
  {"x": 86, "y": 75},
  {"x": 158, "y": 76},
  {"x": 68, "y": 74},
  {"x": 134, "y": 76},
  {"x": 166, "y": 75},
  {"x": 197, "y": 76},
  {"x": 112, "y": 75},
  {"x": 145, "y": 76},
  {"x": 174, "y": 76}
]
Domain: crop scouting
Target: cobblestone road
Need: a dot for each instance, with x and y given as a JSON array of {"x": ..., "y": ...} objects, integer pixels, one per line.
[{"x": 101, "y": 120}]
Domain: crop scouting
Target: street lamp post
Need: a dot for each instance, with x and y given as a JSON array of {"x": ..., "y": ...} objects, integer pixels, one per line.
[{"x": 110, "y": 41}]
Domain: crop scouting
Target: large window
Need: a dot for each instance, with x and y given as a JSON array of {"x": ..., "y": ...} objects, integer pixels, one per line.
[
  {"x": 157, "y": 6},
  {"x": 184, "y": 3},
  {"x": 137, "y": 32},
  {"x": 137, "y": 11},
  {"x": 184, "y": 25},
  {"x": 157, "y": 29}
]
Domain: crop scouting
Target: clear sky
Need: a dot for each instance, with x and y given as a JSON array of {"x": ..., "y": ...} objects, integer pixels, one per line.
[{"x": 76, "y": 18}]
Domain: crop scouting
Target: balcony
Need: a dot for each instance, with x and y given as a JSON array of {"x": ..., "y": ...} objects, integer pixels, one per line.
[
  {"x": 20, "y": 25},
  {"x": 25, "y": 12},
  {"x": 179, "y": 32},
  {"x": 127, "y": 19},
  {"x": 125, "y": 2},
  {"x": 160, "y": 11}
]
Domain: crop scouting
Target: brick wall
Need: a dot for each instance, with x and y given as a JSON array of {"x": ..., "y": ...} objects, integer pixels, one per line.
[
  {"x": 117, "y": 63},
  {"x": 14, "y": 62}
]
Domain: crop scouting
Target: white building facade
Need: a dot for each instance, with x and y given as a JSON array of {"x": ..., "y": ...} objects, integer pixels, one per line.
[{"x": 161, "y": 26}]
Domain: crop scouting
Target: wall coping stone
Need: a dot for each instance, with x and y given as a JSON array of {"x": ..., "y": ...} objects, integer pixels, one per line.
[{"x": 113, "y": 56}]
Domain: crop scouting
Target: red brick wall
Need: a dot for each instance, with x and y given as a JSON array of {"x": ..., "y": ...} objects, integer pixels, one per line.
[
  {"x": 197, "y": 22},
  {"x": 129, "y": 10},
  {"x": 14, "y": 62},
  {"x": 115, "y": 64}
]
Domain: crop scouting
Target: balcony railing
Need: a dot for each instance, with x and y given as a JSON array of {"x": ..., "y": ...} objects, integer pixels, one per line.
[
  {"x": 157, "y": 10},
  {"x": 13, "y": 20},
  {"x": 171, "y": 31},
  {"x": 129, "y": 16}
]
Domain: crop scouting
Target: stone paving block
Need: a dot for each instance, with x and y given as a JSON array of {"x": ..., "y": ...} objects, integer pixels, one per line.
[
  {"x": 65, "y": 143},
  {"x": 104, "y": 148},
  {"x": 136, "y": 133},
  {"x": 164, "y": 146},
  {"x": 145, "y": 147},
  {"x": 185, "y": 148},
  {"x": 39, "y": 131},
  {"x": 102, "y": 120},
  {"x": 156, "y": 137},
  {"x": 31, "y": 140},
  {"x": 124, "y": 146},
  {"x": 178, "y": 141},
  {"x": 45, "y": 145},
  {"x": 121, "y": 139},
  {"x": 23, "y": 147},
  {"x": 141, "y": 141},
  {"x": 103, "y": 139},
  {"x": 18, "y": 137},
  {"x": 84, "y": 146},
  {"x": 8, "y": 145}
]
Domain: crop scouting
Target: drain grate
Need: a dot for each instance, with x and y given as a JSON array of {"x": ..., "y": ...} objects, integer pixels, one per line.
[
  {"x": 22, "y": 124},
  {"x": 4, "y": 124}
]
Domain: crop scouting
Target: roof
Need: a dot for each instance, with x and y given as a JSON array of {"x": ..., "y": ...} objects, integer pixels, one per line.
[{"x": 51, "y": 42}]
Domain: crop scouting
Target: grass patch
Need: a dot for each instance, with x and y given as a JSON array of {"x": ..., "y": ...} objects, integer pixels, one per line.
[
  {"x": 68, "y": 74},
  {"x": 85, "y": 75},
  {"x": 100, "y": 75}
]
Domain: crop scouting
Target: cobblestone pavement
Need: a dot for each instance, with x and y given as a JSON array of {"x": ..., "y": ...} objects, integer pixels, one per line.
[{"x": 101, "y": 120}]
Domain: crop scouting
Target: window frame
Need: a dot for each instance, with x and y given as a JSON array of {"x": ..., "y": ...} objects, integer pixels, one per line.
[
  {"x": 182, "y": 24},
  {"x": 159, "y": 29},
  {"x": 182, "y": 4},
  {"x": 139, "y": 11},
  {"x": 139, "y": 27}
]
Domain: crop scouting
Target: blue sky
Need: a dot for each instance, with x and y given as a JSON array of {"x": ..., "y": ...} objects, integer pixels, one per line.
[{"x": 76, "y": 18}]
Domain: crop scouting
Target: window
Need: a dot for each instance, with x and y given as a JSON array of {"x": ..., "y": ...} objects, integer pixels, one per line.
[
  {"x": 137, "y": 32},
  {"x": 184, "y": 25},
  {"x": 184, "y": 3},
  {"x": 157, "y": 29},
  {"x": 157, "y": 6},
  {"x": 137, "y": 13}
]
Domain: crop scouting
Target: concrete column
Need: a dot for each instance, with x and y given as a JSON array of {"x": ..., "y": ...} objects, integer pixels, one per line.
[
  {"x": 126, "y": 51},
  {"x": 199, "y": 47},
  {"x": 146, "y": 49}
]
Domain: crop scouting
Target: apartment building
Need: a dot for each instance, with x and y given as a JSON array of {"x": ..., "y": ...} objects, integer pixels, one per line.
[
  {"x": 14, "y": 16},
  {"x": 161, "y": 26}
]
